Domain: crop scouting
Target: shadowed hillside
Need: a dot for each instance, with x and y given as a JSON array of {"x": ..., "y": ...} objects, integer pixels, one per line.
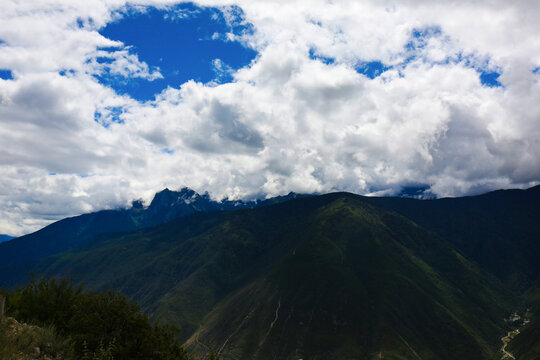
[
  {"x": 499, "y": 230},
  {"x": 62, "y": 235},
  {"x": 328, "y": 277}
]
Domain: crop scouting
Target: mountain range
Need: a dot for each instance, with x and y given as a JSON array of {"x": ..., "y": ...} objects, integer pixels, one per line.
[
  {"x": 70, "y": 232},
  {"x": 335, "y": 276},
  {"x": 4, "y": 237}
]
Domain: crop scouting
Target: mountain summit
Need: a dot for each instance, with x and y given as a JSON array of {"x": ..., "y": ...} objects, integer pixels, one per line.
[{"x": 74, "y": 231}]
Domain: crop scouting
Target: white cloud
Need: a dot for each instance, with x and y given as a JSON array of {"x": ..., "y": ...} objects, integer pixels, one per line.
[
  {"x": 121, "y": 63},
  {"x": 288, "y": 121}
]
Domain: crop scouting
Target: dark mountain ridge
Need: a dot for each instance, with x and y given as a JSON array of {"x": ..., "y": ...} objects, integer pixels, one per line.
[
  {"x": 74, "y": 231},
  {"x": 326, "y": 277},
  {"x": 4, "y": 237},
  {"x": 499, "y": 230},
  {"x": 336, "y": 276}
]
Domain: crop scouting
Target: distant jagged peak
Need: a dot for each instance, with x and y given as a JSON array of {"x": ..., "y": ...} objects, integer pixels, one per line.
[
  {"x": 169, "y": 204},
  {"x": 173, "y": 203},
  {"x": 186, "y": 193},
  {"x": 169, "y": 197},
  {"x": 290, "y": 195},
  {"x": 137, "y": 204}
]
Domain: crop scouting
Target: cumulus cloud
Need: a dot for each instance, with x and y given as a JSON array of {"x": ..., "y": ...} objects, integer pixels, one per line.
[{"x": 301, "y": 117}]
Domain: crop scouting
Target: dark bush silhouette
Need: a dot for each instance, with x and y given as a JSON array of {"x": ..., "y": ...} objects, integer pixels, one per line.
[
  {"x": 45, "y": 302},
  {"x": 95, "y": 321}
]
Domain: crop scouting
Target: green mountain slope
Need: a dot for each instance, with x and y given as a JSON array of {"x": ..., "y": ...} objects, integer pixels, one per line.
[
  {"x": 18, "y": 256},
  {"x": 63, "y": 235},
  {"x": 498, "y": 230},
  {"x": 328, "y": 277}
]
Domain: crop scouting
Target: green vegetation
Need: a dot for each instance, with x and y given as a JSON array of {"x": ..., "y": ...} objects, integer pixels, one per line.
[
  {"x": 22, "y": 341},
  {"x": 357, "y": 282},
  {"x": 497, "y": 230},
  {"x": 96, "y": 325},
  {"x": 75, "y": 231},
  {"x": 336, "y": 276},
  {"x": 327, "y": 277}
]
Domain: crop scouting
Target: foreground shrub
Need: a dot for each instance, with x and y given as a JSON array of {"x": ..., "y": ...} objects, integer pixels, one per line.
[
  {"x": 22, "y": 341},
  {"x": 105, "y": 325}
]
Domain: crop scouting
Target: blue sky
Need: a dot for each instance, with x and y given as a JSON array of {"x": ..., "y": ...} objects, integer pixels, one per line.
[
  {"x": 103, "y": 102},
  {"x": 6, "y": 74},
  {"x": 183, "y": 42}
]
